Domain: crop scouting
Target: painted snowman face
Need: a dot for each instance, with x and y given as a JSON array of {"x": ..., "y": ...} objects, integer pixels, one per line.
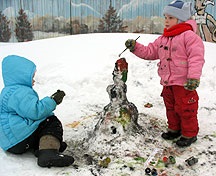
[{"x": 120, "y": 70}]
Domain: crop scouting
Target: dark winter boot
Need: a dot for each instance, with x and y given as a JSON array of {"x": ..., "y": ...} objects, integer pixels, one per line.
[
  {"x": 63, "y": 146},
  {"x": 185, "y": 142},
  {"x": 52, "y": 158},
  {"x": 49, "y": 153},
  {"x": 171, "y": 135}
]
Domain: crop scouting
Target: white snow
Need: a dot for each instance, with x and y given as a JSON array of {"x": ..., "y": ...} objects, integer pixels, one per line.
[{"x": 82, "y": 66}]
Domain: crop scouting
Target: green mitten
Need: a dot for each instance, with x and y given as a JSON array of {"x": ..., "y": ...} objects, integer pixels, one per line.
[
  {"x": 130, "y": 44},
  {"x": 192, "y": 84}
]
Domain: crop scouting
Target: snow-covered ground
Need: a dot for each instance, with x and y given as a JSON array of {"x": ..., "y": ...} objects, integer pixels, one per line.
[{"x": 82, "y": 66}]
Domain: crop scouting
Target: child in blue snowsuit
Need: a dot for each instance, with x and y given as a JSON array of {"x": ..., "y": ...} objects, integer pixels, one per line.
[{"x": 27, "y": 122}]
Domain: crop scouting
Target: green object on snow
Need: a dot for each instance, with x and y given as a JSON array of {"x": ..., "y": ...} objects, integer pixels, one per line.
[{"x": 140, "y": 159}]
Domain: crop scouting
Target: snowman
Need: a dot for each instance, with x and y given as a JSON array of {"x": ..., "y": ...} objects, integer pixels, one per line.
[{"x": 119, "y": 116}]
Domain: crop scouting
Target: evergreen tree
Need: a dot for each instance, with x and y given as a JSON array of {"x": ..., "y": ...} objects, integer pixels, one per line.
[
  {"x": 111, "y": 22},
  {"x": 5, "y": 32},
  {"x": 23, "y": 28}
]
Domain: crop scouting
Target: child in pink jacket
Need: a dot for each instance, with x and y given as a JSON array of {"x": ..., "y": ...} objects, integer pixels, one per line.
[{"x": 181, "y": 54}]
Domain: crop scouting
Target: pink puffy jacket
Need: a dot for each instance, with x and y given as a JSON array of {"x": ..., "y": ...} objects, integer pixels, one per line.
[{"x": 181, "y": 57}]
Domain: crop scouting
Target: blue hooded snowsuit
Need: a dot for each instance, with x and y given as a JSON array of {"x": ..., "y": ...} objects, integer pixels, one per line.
[{"x": 21, "y": 111}]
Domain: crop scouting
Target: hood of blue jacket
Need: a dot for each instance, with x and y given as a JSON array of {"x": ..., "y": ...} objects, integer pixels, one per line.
[{"x": 17, "y": 70}]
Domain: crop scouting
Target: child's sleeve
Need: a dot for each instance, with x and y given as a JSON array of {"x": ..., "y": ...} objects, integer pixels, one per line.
[
  {"x": 25, "y": 102},
  {"x": 149, "y": 52},
  {"x": 195, "y": 53}
]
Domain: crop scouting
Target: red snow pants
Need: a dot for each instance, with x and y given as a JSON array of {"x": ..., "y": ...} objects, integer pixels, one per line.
[{"x": 181, "y": 109}]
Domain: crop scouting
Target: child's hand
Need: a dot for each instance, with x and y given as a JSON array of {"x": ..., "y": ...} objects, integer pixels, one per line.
[
  {"x": 58, "y": 96},
  {"x": 130, "y": 44},
  {"x": 192, "y": 84}
]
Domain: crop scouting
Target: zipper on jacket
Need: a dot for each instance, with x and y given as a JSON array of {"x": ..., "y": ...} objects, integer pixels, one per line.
[{"x": 169, "y": 58}]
